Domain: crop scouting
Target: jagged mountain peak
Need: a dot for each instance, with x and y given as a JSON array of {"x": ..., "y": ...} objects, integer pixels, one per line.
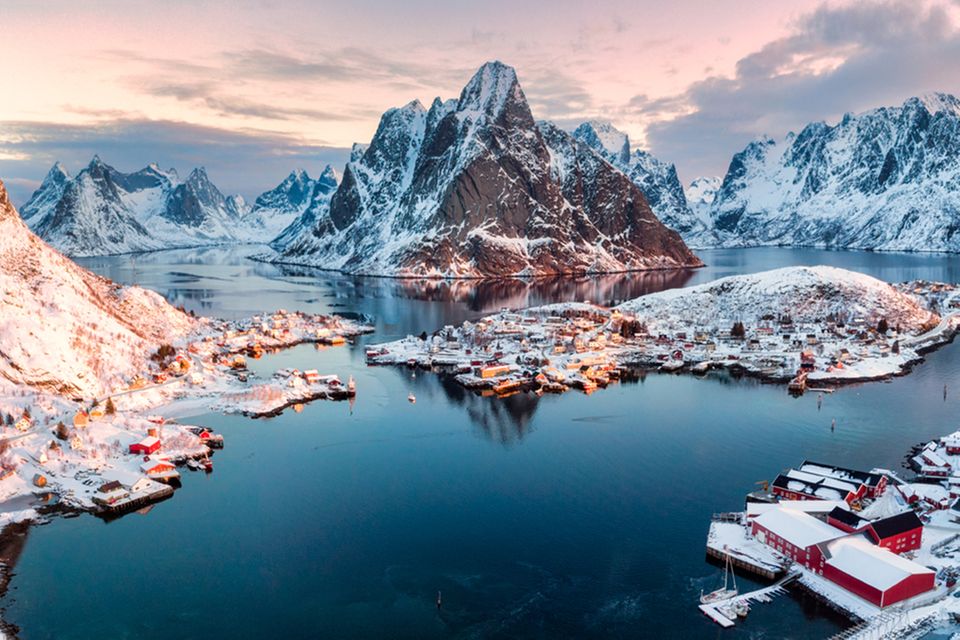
[
  {"x": 329, "y": 178},
  {"x": 474, "y": 188},
  {"x": 603, "y": 136},
  {"x": 491, "y": 90},
  {"x": 198, "y": 177},
  {"x": 58, "y": 173},
  {"x": 935, "y": 102}
]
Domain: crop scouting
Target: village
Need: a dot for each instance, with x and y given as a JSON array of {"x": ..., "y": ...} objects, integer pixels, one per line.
[
  {"x": 583, "y": 346},
  {"x": 118, "y": 453},
  {"x": 881, "y": 549}
]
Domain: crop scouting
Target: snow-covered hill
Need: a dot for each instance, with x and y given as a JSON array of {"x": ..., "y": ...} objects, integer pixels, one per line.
[
  {"x": 66, "y": 330},
  {"x": 805, "y": 294},
  {"x": 475, "y": 187},
  {"x": 657, "y": 179},
  {"x": 103, "y": 211},
  {"x": 886, "y": 179}
]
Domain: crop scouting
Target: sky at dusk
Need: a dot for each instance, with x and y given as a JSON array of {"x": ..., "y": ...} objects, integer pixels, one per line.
[{"x": 252, "y": 90}]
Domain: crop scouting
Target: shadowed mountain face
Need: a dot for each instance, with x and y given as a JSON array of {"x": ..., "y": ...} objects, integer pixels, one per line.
[{"x": 476, "y": 187}]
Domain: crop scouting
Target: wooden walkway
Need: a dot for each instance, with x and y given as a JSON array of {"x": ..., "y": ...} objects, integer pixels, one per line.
[{"x": 716, "y": 611}]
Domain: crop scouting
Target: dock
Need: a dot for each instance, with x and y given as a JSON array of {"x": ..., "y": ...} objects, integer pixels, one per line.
[
  {"x": 728, "y": 537},
  {"x": 764, "y": 595}
]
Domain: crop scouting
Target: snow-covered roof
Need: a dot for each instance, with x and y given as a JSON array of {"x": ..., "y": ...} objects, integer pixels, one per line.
[
  {"x": 152, "y": 464},
  {"x": 149, "y": 441},
  {"x": 872, "y": 565},
  {"x": 796, "y": 527},
  {"x": 805, "y": 506}
]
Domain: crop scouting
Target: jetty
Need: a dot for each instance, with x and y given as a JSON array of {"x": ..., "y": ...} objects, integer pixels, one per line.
[{"x": 719, "y": 611}]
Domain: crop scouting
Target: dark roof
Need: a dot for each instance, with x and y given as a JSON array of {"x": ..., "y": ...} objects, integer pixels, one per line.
[
  {"x": 895, "y": 525},
  {"x": 869, "y": 479},
  {"x": 847, "y": 517},
  {"x": 107, "y": 487}
]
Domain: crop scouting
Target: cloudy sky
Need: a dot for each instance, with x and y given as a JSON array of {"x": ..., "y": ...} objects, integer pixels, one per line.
[{"x": 252, "y": 90}]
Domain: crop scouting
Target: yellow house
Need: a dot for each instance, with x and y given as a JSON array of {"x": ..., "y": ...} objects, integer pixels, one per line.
[{"x": 80, "y": 419}]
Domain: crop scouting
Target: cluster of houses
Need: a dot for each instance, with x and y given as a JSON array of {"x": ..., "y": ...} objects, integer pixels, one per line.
[
  {"x": 228, "y": 343},
  {"x": 584, "y": 346},
  {"x": 816, "y": 523}
]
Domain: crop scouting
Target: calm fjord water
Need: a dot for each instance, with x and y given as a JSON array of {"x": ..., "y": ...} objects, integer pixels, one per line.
[{"x": 563, "y": 516}]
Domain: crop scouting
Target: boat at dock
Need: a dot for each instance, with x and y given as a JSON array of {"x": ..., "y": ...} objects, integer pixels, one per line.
[{"x": 724, "y": 592}]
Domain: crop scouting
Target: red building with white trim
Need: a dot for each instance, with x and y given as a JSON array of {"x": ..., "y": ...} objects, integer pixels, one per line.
[
  {"x": 150, "y": 444},
  {"x": 871, "y": 572}
]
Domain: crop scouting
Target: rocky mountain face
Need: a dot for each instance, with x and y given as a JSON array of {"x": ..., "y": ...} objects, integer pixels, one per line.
[
  {"x": 280, "y": 211},
  {"x": 886, "y": 179},
  {"x": 657, "y": 180},
  {"x": 64, "y": 329},
  {"x": 103, "y": 211},
  {"x": 474, "y": 187}
]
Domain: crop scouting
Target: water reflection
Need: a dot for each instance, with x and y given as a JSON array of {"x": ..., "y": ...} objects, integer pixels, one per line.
[{"x": 503, "y": 420}]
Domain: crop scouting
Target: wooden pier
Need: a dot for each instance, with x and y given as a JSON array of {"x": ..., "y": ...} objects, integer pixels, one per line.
[
  {"x": 744, "y": 554},
  {"x": 718, "y": 611},
  {"x": 110, "y": 512}
]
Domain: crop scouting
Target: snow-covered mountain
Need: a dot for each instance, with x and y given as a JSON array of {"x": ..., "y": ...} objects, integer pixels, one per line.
[
  {"x": 886, "y": 179},
  {"x": 103, "y": 211},
  {"x": 475, "y": 187},
  {"x": 657, "y": 180},
  {"x": 701, "y": 193},
  {"x": 284, "y": 206},
  {"x": 64, "y": 329},
  {"x": 806, "y": 294}
]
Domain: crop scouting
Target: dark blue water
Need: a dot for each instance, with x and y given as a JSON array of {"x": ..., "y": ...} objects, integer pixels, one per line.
[{"x": 563, "y": 516}]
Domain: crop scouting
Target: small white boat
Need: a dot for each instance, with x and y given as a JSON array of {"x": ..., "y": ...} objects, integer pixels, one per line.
[
  {"x": 194, "y": 464},
  {"x": 701, "y": 367},
  {"x": 724, "y": 592},
  {"x": 412, "y": 398},
  {"x": 351, "y": 384}
]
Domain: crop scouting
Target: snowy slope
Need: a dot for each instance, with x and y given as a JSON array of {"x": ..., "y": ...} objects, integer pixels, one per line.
[
  {"x": 886, "y": 179},
  {"x": 66, "y": 330},
  {"x": 657, "y": 180},
  {"x": 103, "y": 211},
  {"x": 470, "y": 188},
  {"x": 806, "y": 294}
]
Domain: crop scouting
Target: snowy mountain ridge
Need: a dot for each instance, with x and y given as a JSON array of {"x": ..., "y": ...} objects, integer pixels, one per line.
[
  {"x": 884, "y": 179},
  {"x": 473, "y": 187},
  {"x": 103, "y": 211},
  {"x": 657, "y": 180}
]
